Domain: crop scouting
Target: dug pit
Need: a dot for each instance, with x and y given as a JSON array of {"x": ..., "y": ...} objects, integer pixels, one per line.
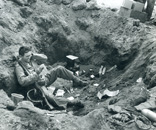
[{"x": 99, "y": 37}]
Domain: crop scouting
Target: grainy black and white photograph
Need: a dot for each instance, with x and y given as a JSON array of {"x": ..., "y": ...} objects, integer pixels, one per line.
[{"x": 77, "y": 64}]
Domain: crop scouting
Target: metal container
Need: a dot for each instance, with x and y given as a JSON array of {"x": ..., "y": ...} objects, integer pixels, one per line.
[
  {"x": 149, "y": 114},
  {"x": 16, "y": 98}
]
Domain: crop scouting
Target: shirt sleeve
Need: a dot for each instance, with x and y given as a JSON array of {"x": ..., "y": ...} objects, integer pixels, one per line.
[
  {"x": 23, "y": 79},
  {"x": 39, "y": 57}
]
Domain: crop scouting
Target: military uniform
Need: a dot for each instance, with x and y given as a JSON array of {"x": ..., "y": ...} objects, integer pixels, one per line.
[{"x": 27, "y": 79}]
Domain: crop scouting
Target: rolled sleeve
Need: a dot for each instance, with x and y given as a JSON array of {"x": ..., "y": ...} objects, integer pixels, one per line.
[
  {"x": 40, "y": 57},
  {"x": 23, "y": 79}
]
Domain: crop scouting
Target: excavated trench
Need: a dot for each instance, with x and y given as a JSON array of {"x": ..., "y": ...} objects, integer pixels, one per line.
[
  {"x": 99, "y": 37},
  {"x": 101, "y": 51},
  {"x": 58, "y": 47},
  {"x": 113, "y": 41}
]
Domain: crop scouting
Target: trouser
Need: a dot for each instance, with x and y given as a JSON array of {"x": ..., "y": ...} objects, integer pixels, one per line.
[
  {"x": 150, "y": 7},
  {"x": 57, "y": 102},
  {"x": 60, "y": 72}
]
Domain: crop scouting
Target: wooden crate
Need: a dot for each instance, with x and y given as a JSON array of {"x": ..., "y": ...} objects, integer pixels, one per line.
[
  {"x": 127, "y": 4},
  {"x": 124, "y": 12}
]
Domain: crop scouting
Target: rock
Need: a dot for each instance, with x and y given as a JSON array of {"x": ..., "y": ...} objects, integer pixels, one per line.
[
  {"x": 20, "y": 2},
  {"x": 8, "y": 120},
  {"x": 95, "y": 15},
  {"x": 30, "y": 2},
  {"x": 24, "y": 2},
  {"x": 27, "y": 105},
  {"x": 43, "y": 21},
  {"x": 33, "y": 118},
  {"x": 23, "y": 119},
  {"x": 82, "y": 23},
  {"x": 149, "y": 104},
  {"x": 142, "y": 96},
  {"x": 66, "y": 28},
  {"x": 92, "y": 5},
  {"x": 26, "y": 12},
  {"x": 79, "y": 5},
  {"x": 152, "y": 82},
  {"x": 66, "y": 2},
  {"x": 4, "y": 99},
  {"x": 94, "y": 120},
  {"x": 150, "y": 77},
  {"x": 113, "y": 101},
  {"x": 58, "y": 2},
  {"x": 54, "y": 32},
  {"x": 9, "y": 82},
  {"x": 47, "y": 21},
  {"x": 13, "y": 22},
  {"x": 114, "y": 109}
]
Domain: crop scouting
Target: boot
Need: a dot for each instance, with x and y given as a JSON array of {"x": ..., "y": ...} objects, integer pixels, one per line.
[
  {"x": 75, "y": 103},
  {"x": 79, "y": 83}
]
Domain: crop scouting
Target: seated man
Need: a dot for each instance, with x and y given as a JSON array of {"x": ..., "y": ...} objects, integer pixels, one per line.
[{"x": 28, "y": 75}]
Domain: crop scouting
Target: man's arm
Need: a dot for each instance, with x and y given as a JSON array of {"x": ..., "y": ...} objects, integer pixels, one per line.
[
  {"x": 39, "y": 57},
  {"x": 22, "y": 78}
]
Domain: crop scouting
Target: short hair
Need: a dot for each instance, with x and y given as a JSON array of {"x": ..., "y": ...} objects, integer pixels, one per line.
[{"x": 23, "y": 50}]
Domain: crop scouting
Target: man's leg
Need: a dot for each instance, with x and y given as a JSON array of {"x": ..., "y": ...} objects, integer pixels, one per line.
[
  {"x": 150, "y": 7},
  {"x": 61, "y": 102},
  {"x": 62, "y": 72},
  {"x": 57, "y": 102}
]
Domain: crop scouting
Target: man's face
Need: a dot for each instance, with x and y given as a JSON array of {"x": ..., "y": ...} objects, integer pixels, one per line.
[{"x": 27, "y": 56}]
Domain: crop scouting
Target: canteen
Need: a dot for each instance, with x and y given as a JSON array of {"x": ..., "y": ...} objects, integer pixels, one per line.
[{"x": 149, "y": 114}]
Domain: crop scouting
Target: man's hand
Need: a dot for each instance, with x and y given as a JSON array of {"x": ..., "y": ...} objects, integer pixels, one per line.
[
  {"x": 41, "y": 81},
  {"x": 39, "y": 69}
]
